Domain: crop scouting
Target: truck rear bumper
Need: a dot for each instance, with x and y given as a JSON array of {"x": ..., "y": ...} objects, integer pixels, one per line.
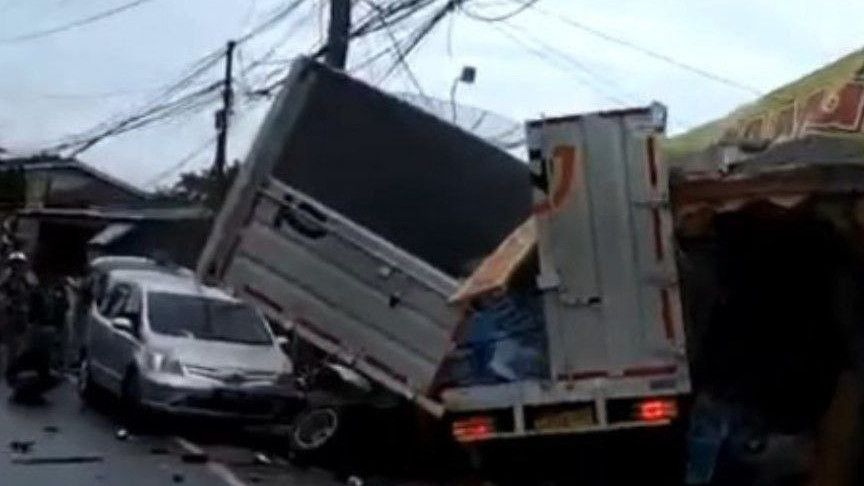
[{"x": 530, "y": 409}]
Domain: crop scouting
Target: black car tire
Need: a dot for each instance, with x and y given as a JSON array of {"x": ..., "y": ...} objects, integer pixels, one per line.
[{"x": 316, "y": 432}]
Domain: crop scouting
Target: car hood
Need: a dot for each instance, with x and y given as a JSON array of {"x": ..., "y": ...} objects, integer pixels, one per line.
[{"x": 222, "y": 355}]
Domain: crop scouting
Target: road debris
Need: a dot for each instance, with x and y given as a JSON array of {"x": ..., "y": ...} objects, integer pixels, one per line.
[
  {"x": 178, "y": 478},
  {"x": 195, "y": 457},
  {"x": 262, "y": 459},
  {"x": 121, "y": 434},
  {"x": 354, "y": 481},
  {"x": 36, "y": 461},
  {"x": 21, "y": 447}
]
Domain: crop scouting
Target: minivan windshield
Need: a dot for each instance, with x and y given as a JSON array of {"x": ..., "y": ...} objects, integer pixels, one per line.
[{"x": 204, "y": 318}]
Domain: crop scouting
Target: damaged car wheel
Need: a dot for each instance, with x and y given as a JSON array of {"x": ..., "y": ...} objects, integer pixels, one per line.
[{"x": 315, "y": 431}]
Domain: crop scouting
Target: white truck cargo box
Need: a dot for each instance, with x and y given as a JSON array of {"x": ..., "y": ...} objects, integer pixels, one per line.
[{"x": 607, "y": 276}]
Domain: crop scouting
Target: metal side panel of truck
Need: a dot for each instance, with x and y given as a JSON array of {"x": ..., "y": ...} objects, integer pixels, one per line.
[
  {"x": 345, "y": 290},
  {"x": 607, "y": 276}
]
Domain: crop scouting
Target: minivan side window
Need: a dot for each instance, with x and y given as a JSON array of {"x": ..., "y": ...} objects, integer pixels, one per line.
[
  {"x": 98, "y": 287},
  {"x": 116, "y": 299},
  {"x": 132, "y": 309}
]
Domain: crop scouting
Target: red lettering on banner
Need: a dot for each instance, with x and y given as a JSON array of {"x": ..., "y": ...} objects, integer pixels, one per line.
[
  {"x": 811, "y": 106},
  {"x": 842, "y": 110}
]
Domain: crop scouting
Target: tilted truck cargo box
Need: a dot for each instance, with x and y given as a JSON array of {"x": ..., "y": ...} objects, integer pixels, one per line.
[
  {"x": 350, "y": 216},
  {"x": 426, "y": 186}
]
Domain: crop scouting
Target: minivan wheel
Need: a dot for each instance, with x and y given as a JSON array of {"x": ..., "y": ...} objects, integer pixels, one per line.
[{"x": 315, "y": 430}]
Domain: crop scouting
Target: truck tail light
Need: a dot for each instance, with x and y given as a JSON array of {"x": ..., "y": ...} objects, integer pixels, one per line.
[
  {"x": 657, "y": 410},
  {"x": 473, "y": 429}
]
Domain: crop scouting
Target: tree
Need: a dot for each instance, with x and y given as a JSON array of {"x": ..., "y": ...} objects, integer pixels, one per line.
[
  {"x": 13, "y": 187},
  {"x": 200, "y": 187}
]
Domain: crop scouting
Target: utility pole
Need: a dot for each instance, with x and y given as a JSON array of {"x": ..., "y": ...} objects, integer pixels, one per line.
[
  {"x": 338, "y": 33},
  {"x": 222, "y": 117}
]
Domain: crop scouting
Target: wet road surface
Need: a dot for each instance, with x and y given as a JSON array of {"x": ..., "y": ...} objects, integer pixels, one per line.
[{"x": 65, "y": 442}]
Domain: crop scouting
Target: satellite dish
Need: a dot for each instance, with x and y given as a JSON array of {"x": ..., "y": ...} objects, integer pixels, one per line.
[{"x": 498, "y": 130}]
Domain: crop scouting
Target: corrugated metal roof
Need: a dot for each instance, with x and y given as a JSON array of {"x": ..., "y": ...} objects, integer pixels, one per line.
[{"x": 59, "y": 163}]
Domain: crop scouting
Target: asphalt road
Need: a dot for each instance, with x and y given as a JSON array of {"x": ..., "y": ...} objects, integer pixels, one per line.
[{"x": 71, "y": 444}]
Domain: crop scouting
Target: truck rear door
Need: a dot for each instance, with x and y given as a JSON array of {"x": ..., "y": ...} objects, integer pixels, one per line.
[{"x": 606, "y": 253}]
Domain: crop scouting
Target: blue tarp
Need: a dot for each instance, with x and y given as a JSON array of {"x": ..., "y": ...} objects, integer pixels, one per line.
[{"x": 504, "y": 341}]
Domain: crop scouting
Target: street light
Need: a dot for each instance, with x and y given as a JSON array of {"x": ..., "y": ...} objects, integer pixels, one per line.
[{"x": 467, "y": 76}]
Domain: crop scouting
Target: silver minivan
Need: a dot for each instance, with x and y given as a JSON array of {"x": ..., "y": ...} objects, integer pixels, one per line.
[{"x": 162, "y": 341}]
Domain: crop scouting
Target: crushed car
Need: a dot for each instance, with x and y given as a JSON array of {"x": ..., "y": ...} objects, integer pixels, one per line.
[{"x": 162, "y": 342}]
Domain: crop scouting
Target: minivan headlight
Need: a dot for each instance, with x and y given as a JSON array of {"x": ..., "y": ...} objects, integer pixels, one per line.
[
  {"x": 163, "y": 363},
  {"x": 286, "y": 374}
]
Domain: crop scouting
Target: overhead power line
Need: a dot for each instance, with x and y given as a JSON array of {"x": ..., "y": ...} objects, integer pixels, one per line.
[
  {"x": 193, "y": 101},
  {"x": 525, "y": 5},
  {"x": 173, "y": 169},
  {"x": 421, "y": 33},
  {"x": 605, "y": 86},
  {"x": 545, "y": 56},
  {"x": 648, "y": 52},
  {"x": 38, "y": 34},
  {"x": 395, "y": 12},
  {"x": 400, "y": 56},
  {"x": 166, "y": 104},
  {"x": 169, "y": 103}
]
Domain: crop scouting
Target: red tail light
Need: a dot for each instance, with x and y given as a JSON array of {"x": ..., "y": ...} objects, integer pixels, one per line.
[
  {"x": 473, "y": 429},
  {"x": 657, "y": 410}
]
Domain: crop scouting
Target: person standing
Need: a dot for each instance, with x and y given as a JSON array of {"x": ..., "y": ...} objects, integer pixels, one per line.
[{"x": 18, "y": 289}]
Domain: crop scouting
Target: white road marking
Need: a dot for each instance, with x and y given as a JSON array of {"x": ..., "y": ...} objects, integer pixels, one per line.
[
  {"x": 225, "y": 474},
  {"x": 189, "y": 446},
  {"x": 217, "y": 468}
]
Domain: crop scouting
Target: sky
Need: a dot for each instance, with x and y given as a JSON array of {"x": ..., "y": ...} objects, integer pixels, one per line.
[{"x": 534, "y": 64}]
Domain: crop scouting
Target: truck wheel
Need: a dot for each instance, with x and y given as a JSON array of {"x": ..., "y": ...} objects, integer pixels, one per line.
[{"x": 315, "y": 431}]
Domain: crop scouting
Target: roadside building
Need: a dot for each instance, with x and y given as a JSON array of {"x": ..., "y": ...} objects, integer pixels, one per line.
[{"x": 64, "y": 211}]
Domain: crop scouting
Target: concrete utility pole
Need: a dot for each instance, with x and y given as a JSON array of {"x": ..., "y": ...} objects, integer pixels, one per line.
[
  {"x": 222, "y": 116},
  {"x": 338, "y": 33}
]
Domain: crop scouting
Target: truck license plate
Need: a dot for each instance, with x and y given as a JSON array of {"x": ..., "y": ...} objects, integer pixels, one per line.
[{"x": 565, "y": 419}]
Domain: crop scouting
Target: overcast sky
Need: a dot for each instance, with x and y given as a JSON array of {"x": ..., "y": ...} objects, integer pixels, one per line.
[{"x": 536, "y": 63}]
